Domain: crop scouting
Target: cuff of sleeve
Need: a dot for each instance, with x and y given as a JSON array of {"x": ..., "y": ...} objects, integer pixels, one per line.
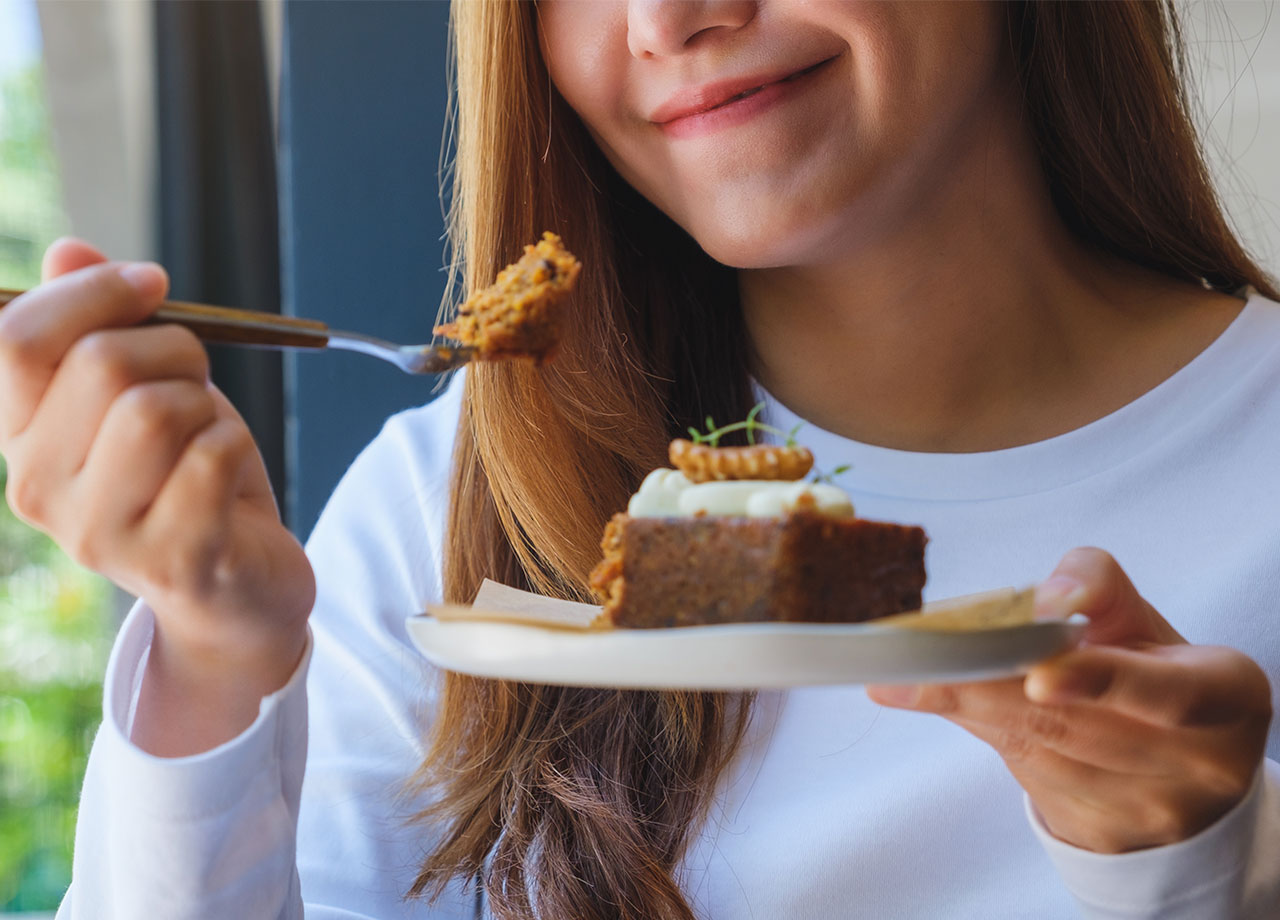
[
  {"x": 204, "y": 784},
  {"x": 1154, "y": 881}
]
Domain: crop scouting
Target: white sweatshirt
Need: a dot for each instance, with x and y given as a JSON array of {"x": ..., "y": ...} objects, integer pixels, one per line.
[{"x": 836, "y": 807}]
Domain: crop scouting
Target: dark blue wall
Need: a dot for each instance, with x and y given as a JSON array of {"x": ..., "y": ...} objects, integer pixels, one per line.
[{"x": 363, "y": 96}]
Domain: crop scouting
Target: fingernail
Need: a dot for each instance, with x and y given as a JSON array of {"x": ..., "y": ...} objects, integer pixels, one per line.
[
  {"x": 1058, "y": 596},
  {"x": 147, "y": 278},
  {"x": 1057, "y": 686},
  {"x": 894, "y": 694},
  {"x": 1038, "y": 687}
]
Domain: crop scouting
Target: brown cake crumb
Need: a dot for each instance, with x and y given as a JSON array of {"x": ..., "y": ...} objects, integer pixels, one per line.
[
  {"x": 802, "y": 567},
  {"x": 516, "y": 315}
]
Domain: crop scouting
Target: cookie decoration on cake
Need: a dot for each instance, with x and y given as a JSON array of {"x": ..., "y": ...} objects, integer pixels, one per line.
[{"x": 704, "y": 463}]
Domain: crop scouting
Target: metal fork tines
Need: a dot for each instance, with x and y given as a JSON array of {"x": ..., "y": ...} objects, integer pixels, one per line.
[{"x": 413, "y": 359}]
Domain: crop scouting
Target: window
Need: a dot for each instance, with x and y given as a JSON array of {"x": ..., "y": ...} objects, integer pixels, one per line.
[{"x": 55, "y": 618}]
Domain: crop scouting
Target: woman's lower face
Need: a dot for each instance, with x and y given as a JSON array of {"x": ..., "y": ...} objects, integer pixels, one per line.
[{"x": 776, "y": 133}]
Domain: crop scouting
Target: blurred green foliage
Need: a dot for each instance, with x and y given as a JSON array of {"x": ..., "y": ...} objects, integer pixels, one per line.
[
  {"x": 31, "y": 215},
  {"x": 55, "y": 617}
]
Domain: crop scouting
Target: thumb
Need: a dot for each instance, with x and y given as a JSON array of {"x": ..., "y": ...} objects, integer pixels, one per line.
[
  {"x": 1089, "y": 581},
  {"x": 255, "y": 485},
  {"x": 68, "y": 254}
]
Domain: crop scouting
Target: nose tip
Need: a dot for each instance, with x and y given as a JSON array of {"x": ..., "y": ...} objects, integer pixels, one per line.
[{"x": 657, "y": 28}]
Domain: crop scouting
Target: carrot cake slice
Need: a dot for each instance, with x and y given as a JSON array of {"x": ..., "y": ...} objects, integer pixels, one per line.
[{"x": 735, "y": 535}]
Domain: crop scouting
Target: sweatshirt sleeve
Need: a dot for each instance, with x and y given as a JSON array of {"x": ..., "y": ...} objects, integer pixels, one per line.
[
  {"x": 1229, "y": 871},
  {"x": 201, "y": 836},
  {"x": 237, "y": 831}
]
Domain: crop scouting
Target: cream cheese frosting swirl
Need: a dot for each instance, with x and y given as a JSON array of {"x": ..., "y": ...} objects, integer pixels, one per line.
[{"x": 667, "y": 493}]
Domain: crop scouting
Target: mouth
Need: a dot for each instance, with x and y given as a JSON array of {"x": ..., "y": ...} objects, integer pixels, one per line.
[
  {"x": 747, "y": 94},
  {"x": 712, "y": 98}
]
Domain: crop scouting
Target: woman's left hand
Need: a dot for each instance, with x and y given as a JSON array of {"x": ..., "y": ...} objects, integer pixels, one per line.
[{"x": 1136, "y": 739}]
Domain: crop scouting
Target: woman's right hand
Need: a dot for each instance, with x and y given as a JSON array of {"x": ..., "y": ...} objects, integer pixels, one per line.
[{"x": 120, "y": 448}]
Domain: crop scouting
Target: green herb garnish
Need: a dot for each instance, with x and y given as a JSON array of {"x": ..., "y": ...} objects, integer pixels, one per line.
[
  {"x": 751, "y": 425},
  {"x": 829, "y": 478}
]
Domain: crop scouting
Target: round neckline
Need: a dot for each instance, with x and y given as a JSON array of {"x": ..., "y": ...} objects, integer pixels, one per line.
[{"x": 1102, "y": 444}]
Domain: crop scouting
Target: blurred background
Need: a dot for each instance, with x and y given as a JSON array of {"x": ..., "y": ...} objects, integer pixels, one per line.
[{"x": 284, "y": 156}]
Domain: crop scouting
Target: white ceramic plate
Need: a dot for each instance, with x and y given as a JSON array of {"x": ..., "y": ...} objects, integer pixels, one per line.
[{"x": 736, "y": 656}]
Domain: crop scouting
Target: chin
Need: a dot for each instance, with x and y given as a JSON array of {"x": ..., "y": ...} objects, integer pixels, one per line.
[{"x": 752, "y": 240}]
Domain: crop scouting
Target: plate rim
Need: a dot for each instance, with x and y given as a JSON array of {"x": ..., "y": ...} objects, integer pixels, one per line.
[{"x": 420, "y": 627}]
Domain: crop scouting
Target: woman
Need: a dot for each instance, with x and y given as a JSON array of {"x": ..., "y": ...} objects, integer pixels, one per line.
[{"x": 972, "y": 244}]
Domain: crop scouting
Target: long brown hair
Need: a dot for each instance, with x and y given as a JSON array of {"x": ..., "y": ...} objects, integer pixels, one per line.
[{"x": 579, "y": 803}]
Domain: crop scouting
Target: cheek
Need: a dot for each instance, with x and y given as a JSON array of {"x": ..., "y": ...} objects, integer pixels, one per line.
[
  {"x": 584, "y": 45},
  {"x": 930, "y": 60},
  {"x": 920, "y": 82}
]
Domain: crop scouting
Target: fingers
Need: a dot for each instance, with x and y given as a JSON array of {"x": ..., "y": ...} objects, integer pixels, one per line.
[
  {"x": 96, "y": 372},
  {"x": 1089, "y": 581},
  {"x": 1136, "y": 740},
  {"x": 66, "y": 255},
  {"x": 1165, "y": 686},
  {"x": 195, "y": 504},
  {"x": 1099, "y": 779},
  {"x": 144, "y": 434},
  {"x": 1166, "y": 711},
  {"x": 256, "y": 486},
  {"x": 1032, "y": 735},
  {"x": 38, "y": 328},
  {"x": 1108, "y": 813},
  {"x": 1104, "y": 810}
]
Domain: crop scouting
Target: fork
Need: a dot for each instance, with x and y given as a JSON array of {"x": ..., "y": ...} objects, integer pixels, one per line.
[{"x": 231, "y": 326}]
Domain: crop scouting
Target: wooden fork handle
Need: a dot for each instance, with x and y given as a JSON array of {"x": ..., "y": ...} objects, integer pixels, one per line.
[
  {"x": 243, "y": 327},
  {"x": 228, "y": 325}
]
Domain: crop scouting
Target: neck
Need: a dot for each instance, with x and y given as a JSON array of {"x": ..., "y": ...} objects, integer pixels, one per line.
[{"x": 977, "y": 323}]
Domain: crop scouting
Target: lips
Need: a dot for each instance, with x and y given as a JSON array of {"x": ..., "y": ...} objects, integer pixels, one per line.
[{"x": 712, "y": 96}]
